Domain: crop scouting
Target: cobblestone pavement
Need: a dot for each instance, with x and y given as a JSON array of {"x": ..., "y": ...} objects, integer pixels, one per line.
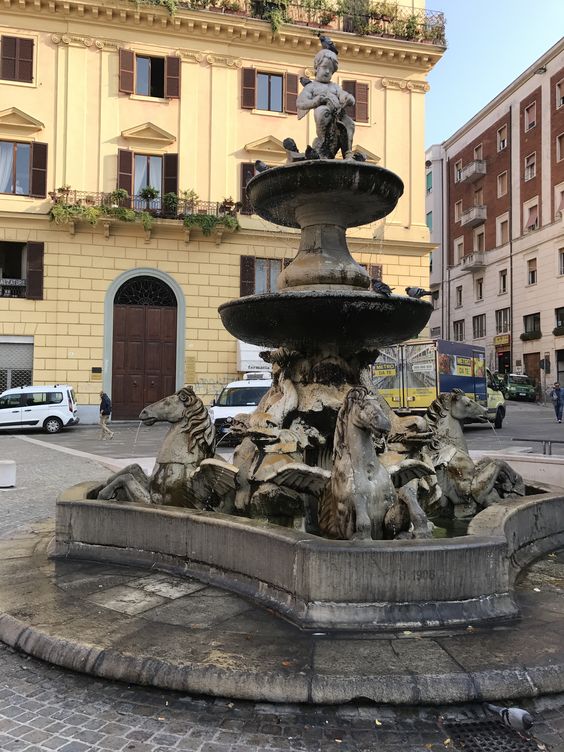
[{"x": 47, "y": 708}]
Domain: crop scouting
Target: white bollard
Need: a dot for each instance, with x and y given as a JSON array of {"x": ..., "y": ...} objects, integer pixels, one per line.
[{"x": 7, "y": 473}]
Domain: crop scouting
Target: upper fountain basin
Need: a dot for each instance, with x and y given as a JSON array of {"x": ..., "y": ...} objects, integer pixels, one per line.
[
  {"x": 324, "y": 191},
  {"x": 308, "y": 320}
]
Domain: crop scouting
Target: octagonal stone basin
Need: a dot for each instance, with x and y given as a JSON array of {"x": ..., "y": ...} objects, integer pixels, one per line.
[
  {"x": 347, "y": 194},
  {"x": 307, "y": 319}
]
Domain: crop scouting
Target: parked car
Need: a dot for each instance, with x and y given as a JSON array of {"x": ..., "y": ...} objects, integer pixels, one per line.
[
  {"x": 519, "y": 387},
  {"x": 50, "y": 407},
  {"x": 237, "y": 397}
]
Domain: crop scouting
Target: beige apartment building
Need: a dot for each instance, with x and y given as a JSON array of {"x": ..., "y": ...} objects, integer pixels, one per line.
[
  {"x": 495, "y": 201},
  {"x": 127, "y": 135}
]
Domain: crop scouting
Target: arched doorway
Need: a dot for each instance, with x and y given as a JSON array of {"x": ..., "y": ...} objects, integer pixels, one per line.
[{"x": 144, "y": 345}]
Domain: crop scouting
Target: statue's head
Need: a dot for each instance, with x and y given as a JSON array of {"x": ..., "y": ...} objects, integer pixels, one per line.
[{"x": 325, "y": 63}]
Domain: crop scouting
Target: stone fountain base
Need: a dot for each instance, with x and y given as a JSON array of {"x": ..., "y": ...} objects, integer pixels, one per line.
[{"x": 321, "y": 584}]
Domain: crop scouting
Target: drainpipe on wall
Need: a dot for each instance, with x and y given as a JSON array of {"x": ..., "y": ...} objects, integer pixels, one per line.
[
  {"x": 446, "y": 239},
  {"x": 511, "y": 327}
]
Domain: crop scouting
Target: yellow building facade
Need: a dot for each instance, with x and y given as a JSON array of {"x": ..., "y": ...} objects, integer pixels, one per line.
[{"x": 100, "y": 96}]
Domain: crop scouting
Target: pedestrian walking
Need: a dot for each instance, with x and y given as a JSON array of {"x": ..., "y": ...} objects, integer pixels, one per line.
[
  {"x": 105, "y": 412},
  {"x": 557, "y": 396}
]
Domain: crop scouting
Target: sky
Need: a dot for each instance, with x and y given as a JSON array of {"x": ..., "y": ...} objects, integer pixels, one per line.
[{"x": 490, "y": 43}]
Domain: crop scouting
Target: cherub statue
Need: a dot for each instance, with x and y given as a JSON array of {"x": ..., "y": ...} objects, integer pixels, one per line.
[{"x": 335, "y": 129}]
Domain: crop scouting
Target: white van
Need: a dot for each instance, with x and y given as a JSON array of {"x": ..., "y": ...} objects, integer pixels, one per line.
[
  {"x": 238, "y": 397},
  {"x": 48, "y": 407}
]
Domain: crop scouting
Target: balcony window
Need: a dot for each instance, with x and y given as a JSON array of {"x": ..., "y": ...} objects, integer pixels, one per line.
[
  {"x": 478, "y": 152},
  {"x": 532, "y": 222},
  {"x": 503, "y": 281},
  {"x": 502, "y": 184},
  {"x": 502, "y": 138},
  {"x": 559, "y": 204},
  {"x": 479, "y": 197},
  {"x": 457, "y": 211},
  {"x": 458, "y": 330},
  {"x": 480, "y": 288},
  {"x": 531, "y": 323},
  {"x": 530, "y": 116},
  {"x": 479, "y": 326},
  {"x": 458, "y": 297},
  {"x": 479, "y": 241},
  {"x": 530, "y": 166},
  {"x": 532, "y": 271},
  {"x": 458, "y": 171},
  {"x": 502, "y": 320},
  {"x": 147, "y": 171}
]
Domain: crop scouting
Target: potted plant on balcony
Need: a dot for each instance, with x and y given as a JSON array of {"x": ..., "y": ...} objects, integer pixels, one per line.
[
  {"x": 148, "y": 194},
  {"x": 170, "y": 205},
  {"x": 119, "y": 197}
]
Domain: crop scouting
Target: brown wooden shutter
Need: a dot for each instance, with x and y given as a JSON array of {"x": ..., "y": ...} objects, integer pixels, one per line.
[
  {"x": 361, "y": 108},
  {"x": 350, "y": 87},
  {"x": 247, "y": 275},
  {"x": 125, "y": 173},
  {"x": 291, "y": 93},
  {"x": 25, "y": 60},
  {"x": 170, "y": 173},
  {"x": 38, "y": 169},
  {"x": 172, "y": 78},
  {"x": 248, "y": 88},
  {"x": 8, "y": 57},
  {"x": 34, "y": 281},
  {"x": 247, "y": 172},
  {"x": 126, "y": 71}
]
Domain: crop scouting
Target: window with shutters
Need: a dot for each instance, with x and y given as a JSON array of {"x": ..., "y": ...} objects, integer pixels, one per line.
[
  {"x": 23, "y": 168},
  {"x": 139, "y": 171},
  {"x": 267, "y": 91},
  {"x": 359, "y": 112},
  {"x": 259, "y": 275},
  {"x": 16, "y": 59},
  {"x": 148, "y": 76},
  {"x": 530, "y": 116},
  {"x": 21, "y": 270}
]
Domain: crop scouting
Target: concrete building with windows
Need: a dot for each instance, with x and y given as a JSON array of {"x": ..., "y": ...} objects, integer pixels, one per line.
[
  {"x": 127, "y": 135},
  {"x": 497, "y": 197}
]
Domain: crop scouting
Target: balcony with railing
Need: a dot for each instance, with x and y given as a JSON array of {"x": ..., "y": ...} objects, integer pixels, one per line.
[
  {"x": 383, "y": 18},
  {"x": 473, "y": 262},
  {"x": 474, "y": 216},
  {"x": 473, "y": 171},
  {"x": 72, "y": 207}
]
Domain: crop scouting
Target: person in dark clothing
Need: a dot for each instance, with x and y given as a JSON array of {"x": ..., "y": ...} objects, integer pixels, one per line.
[
  {"x": 557, "y": 397},
  {"x": 105, "y": 412}
]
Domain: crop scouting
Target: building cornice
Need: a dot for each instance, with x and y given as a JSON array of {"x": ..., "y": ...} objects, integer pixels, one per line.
[{"x": 241, "y": 30}]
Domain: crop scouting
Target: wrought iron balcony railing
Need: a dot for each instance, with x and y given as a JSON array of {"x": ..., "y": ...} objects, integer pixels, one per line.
[
  {"x": 364, "y": 17},
  {"x": 165, "y": 208}
]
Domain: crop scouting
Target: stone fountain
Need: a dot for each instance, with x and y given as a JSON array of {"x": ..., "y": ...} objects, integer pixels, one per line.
[{"x": 323, "y": 514}]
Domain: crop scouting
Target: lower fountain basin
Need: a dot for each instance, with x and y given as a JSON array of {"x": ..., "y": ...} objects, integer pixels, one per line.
[{"x": 302, "y": 320}]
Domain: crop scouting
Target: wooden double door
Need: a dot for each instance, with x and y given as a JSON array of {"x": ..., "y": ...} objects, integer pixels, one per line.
[{"x": 144, "y": 357}]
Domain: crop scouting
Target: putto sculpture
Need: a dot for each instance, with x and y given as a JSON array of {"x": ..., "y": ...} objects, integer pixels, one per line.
[{"x": 323, "y": 451}]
